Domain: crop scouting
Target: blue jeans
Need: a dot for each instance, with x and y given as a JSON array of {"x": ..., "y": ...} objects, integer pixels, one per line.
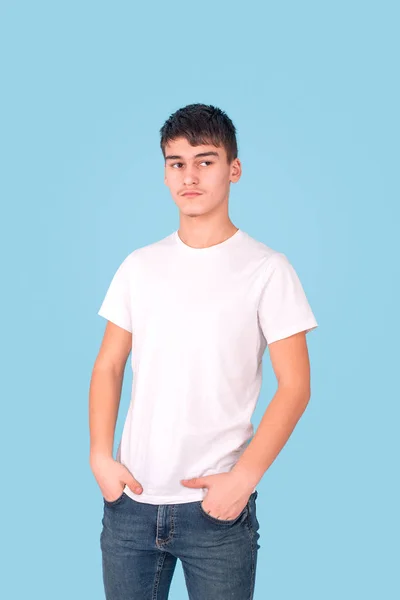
[{"x": 141, "y": 542}]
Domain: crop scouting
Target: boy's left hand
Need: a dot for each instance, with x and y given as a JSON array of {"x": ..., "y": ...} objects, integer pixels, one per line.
[{"x": 227, "y": 494}]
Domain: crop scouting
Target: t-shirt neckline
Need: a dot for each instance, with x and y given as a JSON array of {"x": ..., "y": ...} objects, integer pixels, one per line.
[{"x": 215, "y": 247}]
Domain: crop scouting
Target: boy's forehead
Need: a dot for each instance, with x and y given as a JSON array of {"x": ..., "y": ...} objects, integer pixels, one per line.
[{"x": 181, "y": 146}]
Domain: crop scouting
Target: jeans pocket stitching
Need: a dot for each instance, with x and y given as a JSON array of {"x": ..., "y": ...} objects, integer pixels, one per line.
[
  {"x": 116, "y": 501},
  {"x": 221, "y": 521}
]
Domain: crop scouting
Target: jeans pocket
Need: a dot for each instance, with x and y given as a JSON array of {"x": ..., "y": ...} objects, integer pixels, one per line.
[
  {"x": 116, "y": 501},
  {"x": 222, "y": 521}
]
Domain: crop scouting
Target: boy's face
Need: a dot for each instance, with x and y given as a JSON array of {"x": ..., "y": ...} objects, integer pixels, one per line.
[{"x": 209, "y": 174}]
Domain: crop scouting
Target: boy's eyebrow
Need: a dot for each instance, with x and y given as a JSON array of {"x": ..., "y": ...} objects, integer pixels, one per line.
[{"x": 176, "y": 156}]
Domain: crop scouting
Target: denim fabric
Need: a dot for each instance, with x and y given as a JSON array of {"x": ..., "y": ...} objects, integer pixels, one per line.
[{"x": 141, "y": 542}]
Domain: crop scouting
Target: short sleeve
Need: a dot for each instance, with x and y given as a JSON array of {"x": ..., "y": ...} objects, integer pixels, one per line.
[
  {"x": 116, "y": 304},
  {"x": 283, "y": 308}
]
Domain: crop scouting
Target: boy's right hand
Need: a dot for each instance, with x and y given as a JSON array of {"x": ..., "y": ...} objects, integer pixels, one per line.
[{"x": 112, "y": 476}]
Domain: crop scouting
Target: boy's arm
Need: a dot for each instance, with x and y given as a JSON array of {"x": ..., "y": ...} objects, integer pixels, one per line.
[
  {"x": 105, "y": 389},
  {"x": 290, "y": 362}
]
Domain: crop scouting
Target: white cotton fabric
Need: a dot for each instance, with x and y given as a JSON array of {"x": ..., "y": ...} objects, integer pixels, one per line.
[{"x": 200, "y": 320}]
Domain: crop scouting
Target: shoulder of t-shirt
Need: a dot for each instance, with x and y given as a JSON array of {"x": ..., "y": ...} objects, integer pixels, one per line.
[
  {"x": 262, "y": 251},
  {"x": 143, "y": 253}
]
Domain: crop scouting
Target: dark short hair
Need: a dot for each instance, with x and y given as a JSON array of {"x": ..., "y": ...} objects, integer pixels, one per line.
[{"x": 201, "y": 124}]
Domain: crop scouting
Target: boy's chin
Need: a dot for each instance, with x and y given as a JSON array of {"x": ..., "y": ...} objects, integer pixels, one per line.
[{"x": 193, "y": 212}]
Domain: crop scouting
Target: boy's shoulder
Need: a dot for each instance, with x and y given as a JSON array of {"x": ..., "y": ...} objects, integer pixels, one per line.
[
  {"x": 258, "y": 250},
  {"x": 153, "y": 249}
]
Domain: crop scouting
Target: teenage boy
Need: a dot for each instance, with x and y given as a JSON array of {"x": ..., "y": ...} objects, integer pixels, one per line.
[{"x": 197, "y": 310}]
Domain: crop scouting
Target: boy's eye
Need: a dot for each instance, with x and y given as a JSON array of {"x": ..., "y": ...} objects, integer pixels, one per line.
[{"x": 207, "y": 162}]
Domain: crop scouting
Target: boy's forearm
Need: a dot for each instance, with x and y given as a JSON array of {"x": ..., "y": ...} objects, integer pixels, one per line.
[
  {"x": 274, "y": 430},
  {"x": 104, "y": 400}
]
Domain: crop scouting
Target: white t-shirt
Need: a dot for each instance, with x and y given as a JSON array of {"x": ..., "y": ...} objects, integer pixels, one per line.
[{"x": 200, "y": 320}]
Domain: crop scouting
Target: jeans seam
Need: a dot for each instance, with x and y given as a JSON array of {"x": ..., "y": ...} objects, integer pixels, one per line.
[
  {"x": 252, "y": 579},
  {"x": 157, "y": 578}
]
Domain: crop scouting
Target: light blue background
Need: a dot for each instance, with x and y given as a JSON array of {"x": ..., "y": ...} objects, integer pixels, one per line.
[{"x": 313, "y": 90}]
